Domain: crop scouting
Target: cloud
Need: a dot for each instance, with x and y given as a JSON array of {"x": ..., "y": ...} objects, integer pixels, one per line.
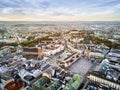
[
  {"x": 59, "y": 9},
  {"x": 24, "y": 4}
]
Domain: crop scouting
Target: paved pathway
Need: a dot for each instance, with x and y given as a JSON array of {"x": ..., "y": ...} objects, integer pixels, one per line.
[{"x": 82, "y": 66}]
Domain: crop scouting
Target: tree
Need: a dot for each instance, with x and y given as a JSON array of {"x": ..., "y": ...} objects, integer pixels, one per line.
[
  {"x": 31, "y": 38},
  {"x": 2, "y": 32}
]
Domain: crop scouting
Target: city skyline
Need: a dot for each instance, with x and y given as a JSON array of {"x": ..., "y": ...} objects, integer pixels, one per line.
[{"x": 60, "y": 10}]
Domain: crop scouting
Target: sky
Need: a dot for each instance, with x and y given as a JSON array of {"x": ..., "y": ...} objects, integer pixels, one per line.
[{"x": 59, "y": 10}]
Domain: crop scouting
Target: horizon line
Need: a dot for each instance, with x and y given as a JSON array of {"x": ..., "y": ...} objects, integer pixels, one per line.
[{"x": 61, "y": 21}]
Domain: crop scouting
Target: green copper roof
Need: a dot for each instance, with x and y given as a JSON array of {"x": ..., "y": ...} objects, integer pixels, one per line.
[
  {"x": 54, "y": 86},
  {"x": 39, "y": 83},
  {"x": 69, "y": 87},
  {"x": 74, "y": 83}
]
